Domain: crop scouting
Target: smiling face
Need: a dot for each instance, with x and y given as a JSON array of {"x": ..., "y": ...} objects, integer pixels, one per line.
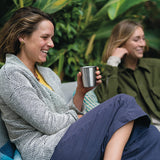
[
  {"x": 136, "y": 44},
  {"x": 36, "y": 45}
]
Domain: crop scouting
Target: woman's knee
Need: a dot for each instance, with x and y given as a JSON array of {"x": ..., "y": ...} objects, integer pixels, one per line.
[{"x": 125, "y": 99}]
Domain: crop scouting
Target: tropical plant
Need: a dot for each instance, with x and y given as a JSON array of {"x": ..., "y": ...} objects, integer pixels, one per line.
[{"x": 82, "y": 28}]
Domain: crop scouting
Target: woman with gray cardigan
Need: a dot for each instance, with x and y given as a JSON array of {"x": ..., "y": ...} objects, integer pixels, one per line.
[{"x": 39, "y": 121}]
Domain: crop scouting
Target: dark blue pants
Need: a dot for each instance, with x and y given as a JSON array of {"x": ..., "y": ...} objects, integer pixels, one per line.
[{"x": 87, "y": 138}]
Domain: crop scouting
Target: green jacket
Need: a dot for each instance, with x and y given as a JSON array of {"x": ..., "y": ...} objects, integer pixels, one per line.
[{"x": 143, "y": 83}]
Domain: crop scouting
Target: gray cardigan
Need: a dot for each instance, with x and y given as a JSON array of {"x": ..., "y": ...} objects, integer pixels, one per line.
[{"x": 36, "y": 117}]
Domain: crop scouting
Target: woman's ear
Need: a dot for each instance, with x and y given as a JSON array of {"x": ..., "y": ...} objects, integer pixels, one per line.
[{"x": 21, "y": 39}]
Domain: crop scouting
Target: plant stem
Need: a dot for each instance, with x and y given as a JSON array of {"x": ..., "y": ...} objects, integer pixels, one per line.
[{"x": 21, "y": 3}]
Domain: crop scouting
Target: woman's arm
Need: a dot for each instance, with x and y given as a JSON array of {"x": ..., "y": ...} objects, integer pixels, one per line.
[
  {"x": 113, "y": 61},
  {"x": 109, "y": 86},
  {"x": 81, "y": 91}
]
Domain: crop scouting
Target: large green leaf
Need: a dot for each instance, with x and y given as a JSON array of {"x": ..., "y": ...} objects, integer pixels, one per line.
[
  {"x": 104, "y": 32},
  {"x": 120, "y": 6},
  {"x": 51, "y": 6},
  {"x": 104, "y": 10}
]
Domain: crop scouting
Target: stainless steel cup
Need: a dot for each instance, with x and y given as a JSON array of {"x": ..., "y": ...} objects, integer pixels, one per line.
[{"x": 89, "y": 76}]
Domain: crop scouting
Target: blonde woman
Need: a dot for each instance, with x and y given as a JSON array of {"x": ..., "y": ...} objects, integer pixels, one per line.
[{"x": 126, "y": 71}]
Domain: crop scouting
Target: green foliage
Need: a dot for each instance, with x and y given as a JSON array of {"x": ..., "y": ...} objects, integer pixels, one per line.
[
  {"x": 82, "y": 28},
  {"x": 120, "y": 6},
  {"x": 1, "y": 64},
  {"x": 50, "y": 6}
]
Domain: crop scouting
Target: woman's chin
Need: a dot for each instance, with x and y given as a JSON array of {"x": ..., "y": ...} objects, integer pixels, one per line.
[{"x": 42, "y": 60}]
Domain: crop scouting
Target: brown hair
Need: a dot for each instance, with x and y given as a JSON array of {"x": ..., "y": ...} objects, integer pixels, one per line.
[
  {"x": 23, "y": 22},
  {"x": 120, "y": 34}
]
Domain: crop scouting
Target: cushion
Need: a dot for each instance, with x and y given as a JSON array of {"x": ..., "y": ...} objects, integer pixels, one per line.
[
  {"x": 68, "y": 89},
  {"x": 9, "y": 152}
]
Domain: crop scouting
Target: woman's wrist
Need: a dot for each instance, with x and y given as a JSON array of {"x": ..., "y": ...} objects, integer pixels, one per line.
[
  {"x": 78, "y": 101},
  {"x": 113, "y": 61}
]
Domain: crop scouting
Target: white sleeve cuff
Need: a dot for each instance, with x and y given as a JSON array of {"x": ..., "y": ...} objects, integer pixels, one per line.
[{"x": 113, "y": 61}]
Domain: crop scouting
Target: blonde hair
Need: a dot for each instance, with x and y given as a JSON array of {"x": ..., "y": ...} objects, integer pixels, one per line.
[{"x": 119, "y": 35}]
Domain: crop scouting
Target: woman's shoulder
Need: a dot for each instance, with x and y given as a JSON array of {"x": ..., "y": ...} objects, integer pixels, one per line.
[
  {"x": 10, "y": 70},
  {"x": 151, "y": 64},
  {"x": 151, "y": 60}
]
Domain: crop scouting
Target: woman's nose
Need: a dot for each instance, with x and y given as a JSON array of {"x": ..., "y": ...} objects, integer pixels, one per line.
[
  {"x": 50, "y": 44},
  {"x": 142, "y": 42}
]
